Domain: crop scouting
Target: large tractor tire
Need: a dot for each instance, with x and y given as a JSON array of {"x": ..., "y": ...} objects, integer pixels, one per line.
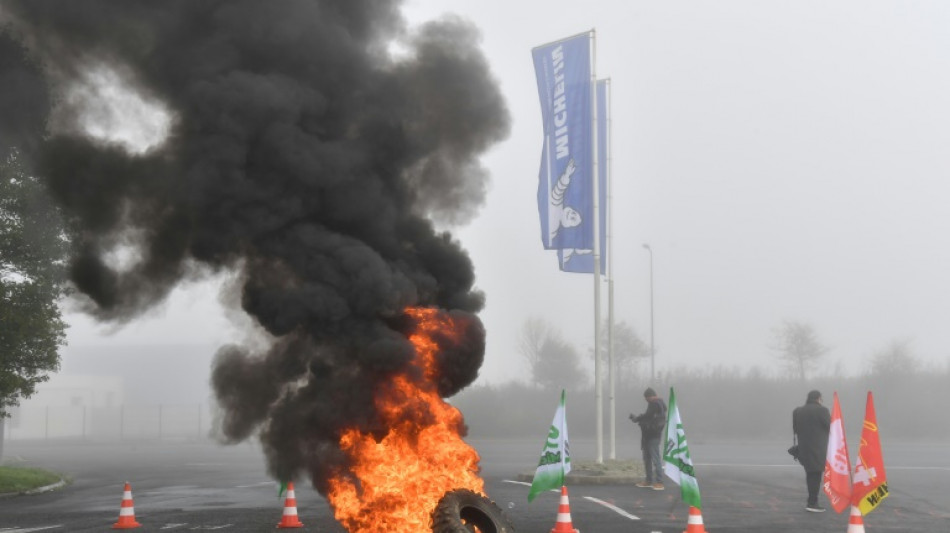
[{"x": 463, "y": 511}]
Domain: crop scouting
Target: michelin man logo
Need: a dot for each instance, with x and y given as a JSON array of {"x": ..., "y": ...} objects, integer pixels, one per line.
[
  {"x": 570, "y": 253},
  {"x": 560, "y": 215}
]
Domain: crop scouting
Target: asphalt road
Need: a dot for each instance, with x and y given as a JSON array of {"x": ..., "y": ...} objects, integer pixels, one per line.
[{"x": 198, "y": 486}]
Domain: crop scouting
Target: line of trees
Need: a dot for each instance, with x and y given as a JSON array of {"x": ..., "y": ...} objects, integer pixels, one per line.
[
  {"x": 725, "y": 403},
  {"x": 552, "y": 361},
  {"x": 718, "y": 402}
]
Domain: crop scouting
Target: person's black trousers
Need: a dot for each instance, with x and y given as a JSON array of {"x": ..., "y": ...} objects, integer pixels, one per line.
[{"x": 813, "y": 479}]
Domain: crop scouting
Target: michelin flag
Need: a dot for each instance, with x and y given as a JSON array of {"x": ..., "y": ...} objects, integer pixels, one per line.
[
  {"x": 582, "y": 261},
  {"x": 678, "y": 464},
  {"x": 555, "y": 457},
  {"x": 565, "y": 198}
]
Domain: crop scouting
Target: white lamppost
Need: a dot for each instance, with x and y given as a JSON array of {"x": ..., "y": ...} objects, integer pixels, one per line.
[{"x": 652, "y": 348}]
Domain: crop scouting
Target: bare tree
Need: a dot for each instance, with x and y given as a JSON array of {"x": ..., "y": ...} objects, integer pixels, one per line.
[
  {"x": 629, "y": 351},
  {"x": 531, "y": 340},
  {"x": 895, "y": 359},
  {"x": 797, "y": 347},
  {"x": 553, "y": 362}
]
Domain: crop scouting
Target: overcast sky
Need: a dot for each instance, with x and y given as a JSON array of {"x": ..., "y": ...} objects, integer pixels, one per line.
[{"x": 785, "y": 160}]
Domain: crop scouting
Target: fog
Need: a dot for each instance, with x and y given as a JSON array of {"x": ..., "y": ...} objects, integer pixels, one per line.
[{"x": 784, "y": 160}]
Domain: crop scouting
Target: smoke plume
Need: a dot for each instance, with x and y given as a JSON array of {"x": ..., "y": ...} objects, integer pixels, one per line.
[{"x": 301, "y": 151}]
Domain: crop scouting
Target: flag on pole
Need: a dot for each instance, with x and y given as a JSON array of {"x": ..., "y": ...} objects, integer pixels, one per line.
[
  {"x": 565, "y": 189},
  {"x": 582, "y": 260},
  {"x": 555, "y": 457},
  {"x": 678, "y": 465},
  {"x": 836, "y": 479},
  {"x": 870, "y": 479}
]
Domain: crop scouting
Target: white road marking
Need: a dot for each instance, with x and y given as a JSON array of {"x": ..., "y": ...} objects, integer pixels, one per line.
[
  {"x": 27, "y": 530},
  {"x": 610, "y": 506},
  {"x": 558, "y": 491},
  {"x": 173, "y": 526},
  {"x": 613, "y": 508}
]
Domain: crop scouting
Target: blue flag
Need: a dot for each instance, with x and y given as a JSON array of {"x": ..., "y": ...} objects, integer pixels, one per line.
[
  {"x": 580, "y": 260},
  {"x": 565, "y": 200}
]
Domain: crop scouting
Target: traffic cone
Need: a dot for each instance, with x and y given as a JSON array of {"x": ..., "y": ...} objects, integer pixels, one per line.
[
  {"x": 694, "y": 524},
  {"x": 855, "y": 522},
  {"x": 563, "y": 524},
  {"x": 290, "y": 509},
  {"x": 127, "y": 511}
]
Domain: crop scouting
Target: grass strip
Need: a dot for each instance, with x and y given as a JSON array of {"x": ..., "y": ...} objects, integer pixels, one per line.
[
  {"x": 610, "y": 467},
  {"x": 13, "y": 479}
]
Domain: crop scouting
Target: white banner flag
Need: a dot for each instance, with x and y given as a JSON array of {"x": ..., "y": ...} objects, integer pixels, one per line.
[
  {"x": 555, "y": 457},
  {"x": 678, "y": 464},
  {"x": 836, "y": 479}
]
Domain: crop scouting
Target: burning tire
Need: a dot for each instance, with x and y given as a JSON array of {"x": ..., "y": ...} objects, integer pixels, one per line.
[{"x": 463, "y": 511}]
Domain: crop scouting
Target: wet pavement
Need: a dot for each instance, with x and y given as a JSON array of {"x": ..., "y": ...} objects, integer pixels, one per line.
[{"x": 199, "y": 486}]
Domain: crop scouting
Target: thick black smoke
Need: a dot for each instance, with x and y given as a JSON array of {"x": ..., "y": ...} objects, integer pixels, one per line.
[
  {"x": 303, "y": 154},
  {"x": 24, "y": 100}
]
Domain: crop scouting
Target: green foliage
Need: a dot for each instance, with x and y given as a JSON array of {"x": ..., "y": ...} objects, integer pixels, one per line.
[
  {"x": 13, "y": 480},
  {"x": 559, "y": 366},
  {"x": 629, "y": 351},
  {"x": 33, "y": 248}
]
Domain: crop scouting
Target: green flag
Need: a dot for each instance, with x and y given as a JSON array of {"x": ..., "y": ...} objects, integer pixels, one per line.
[
  {"x": 678, "y": 465},
  {"x": 555, "y": 457}
]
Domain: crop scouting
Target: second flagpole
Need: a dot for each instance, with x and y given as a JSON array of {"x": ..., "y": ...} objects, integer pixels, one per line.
[{"x": 598, "y": 384}]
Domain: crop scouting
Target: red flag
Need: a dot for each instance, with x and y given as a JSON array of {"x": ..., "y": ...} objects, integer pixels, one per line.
[
  {"x": 836, "y": 479},
  {"x": 870, "y": 479}
]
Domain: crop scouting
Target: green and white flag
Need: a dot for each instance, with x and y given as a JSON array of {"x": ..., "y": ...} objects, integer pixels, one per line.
[
  {"x": 678, "y": 465},
  {"x": 555, "y": 457}
]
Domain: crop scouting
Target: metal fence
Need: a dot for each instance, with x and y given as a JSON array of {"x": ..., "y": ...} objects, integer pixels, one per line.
[{"x": 174, "y": 422}]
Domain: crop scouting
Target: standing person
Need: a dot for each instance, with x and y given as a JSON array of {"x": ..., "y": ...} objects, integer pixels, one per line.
[
  {"x": 651, "y": 424},
  {"x": 811, "y": 423}
]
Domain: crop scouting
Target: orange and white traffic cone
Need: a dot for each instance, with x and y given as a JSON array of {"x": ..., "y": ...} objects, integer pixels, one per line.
[
  {"x": 563, "y": 524},
  {"x": 694, "y": 524},
  {"x": 127, "y": 511},
  {"x": 855, "y": 522},
  {"x": 290, "y": 509}
]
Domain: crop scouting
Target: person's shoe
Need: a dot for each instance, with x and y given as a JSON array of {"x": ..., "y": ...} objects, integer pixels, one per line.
[
  {"x": 645, "y": 485},
  {"x": 814, "y": 508},
  {"x": 658, "y": 486}
]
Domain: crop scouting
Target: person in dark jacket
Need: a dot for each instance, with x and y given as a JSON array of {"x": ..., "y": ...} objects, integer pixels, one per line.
[
  {"x": 651, "y": 434},
  {"x": 811, "y": 423}
]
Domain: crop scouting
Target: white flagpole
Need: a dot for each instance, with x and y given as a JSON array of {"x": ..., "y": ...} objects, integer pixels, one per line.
[
  {"x": 598, "y": 385},
  {"x": 610, "y": 275}
]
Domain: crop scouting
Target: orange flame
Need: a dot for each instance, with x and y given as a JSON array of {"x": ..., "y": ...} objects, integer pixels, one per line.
[{"x": 395, "y": 483}]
